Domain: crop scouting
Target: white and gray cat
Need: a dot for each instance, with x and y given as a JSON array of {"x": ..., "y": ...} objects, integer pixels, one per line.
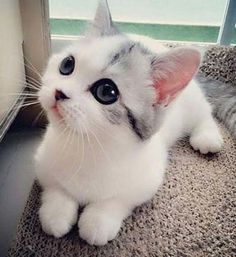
[{"x": 115, "y": 105}]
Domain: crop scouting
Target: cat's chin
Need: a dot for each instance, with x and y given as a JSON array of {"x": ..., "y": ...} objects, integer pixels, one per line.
[{"x": 60, "y": 122}]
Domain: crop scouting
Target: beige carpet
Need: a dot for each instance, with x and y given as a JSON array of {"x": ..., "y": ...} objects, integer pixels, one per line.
[{"x": 193, "y": 214}]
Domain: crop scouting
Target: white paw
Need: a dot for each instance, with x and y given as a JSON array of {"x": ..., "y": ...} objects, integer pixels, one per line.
[
  {"x": 207, "y": 141},
  {"x": 96, "y": 227},
  {"x": 57, "y": 221}
]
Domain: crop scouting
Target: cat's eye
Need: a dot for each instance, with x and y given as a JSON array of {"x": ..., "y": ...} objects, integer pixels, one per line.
[
  {"x": 67, "y": 65},
  {"x": 105, "y": 91}
]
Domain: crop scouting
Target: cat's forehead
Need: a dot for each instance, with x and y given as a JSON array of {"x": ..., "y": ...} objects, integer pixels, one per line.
[{"x": 98, "y": 51}]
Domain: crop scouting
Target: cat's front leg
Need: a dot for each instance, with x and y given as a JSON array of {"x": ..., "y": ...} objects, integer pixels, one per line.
[
  {"x": 58, "y": 212},
  {"x": 101, "y": 221}
]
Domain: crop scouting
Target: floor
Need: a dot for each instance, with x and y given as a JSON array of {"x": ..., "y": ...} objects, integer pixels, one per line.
[{"x": 16, "y": 177}]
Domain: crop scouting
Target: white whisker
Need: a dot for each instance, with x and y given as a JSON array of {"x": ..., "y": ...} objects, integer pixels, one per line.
[
  {"x": 37, "y": 117},
  {"x": 89, "y": 143},
  {"x": 100, "y": 145}
]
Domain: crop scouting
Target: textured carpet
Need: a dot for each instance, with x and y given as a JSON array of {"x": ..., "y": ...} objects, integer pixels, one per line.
[
  {"x": 220, "y": 63},
  {"x": 193, "y": 213}
]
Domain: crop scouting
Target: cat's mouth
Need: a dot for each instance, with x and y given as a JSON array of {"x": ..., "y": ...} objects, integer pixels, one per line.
[{"x": 56, "y": 111}]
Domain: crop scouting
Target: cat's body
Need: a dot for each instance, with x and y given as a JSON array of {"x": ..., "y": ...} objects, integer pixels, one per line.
[
  {"x": 120, "y": 160},
  {"x": 116, "y": 159},
  {"x": 223, "y": 99}
]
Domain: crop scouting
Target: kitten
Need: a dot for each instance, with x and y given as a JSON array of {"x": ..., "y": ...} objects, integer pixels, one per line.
[{"x": 114, "y": 107}]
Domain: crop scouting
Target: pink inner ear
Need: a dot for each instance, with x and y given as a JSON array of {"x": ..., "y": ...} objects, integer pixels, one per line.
[
  {"x": 168, "y": 89},
  {"x": 184, "y": 64}
]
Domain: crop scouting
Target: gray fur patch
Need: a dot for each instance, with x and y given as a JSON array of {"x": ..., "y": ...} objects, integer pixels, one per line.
[
  {"x": 223, "y": 98},
  {"x": 142, "y": 126},
  {"x": 125, "y": 50},
  {"x": 122, "y": 53},
  {"x": 114, "y": 114}
]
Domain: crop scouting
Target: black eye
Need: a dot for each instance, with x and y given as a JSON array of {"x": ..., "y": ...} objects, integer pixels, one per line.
[
  {"x": 67, "y": 65},
  {"x": 105, "y": 91}
]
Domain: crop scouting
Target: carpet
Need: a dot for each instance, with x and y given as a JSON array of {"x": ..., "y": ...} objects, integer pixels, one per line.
[
  {"x": 219, "y": 63},
  {"x": 192, "y": 214}
]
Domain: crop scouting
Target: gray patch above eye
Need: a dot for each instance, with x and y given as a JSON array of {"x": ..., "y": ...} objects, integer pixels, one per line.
[{"x": 124, "y": 51}]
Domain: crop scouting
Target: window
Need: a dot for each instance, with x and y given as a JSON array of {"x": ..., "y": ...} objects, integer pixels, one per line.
[{"x": 179, "y": 20}]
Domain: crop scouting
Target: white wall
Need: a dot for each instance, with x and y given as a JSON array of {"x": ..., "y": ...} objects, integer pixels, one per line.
[{"x": 11, "y": 58}]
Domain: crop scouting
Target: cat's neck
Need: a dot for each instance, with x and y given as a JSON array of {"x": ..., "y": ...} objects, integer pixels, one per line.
[{"x": 117, "y": 141}]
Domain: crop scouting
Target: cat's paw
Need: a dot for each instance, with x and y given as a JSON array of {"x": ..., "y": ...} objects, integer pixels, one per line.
[
  {"x": 96, "y": 227},
  {"x": 207, "y": 141},
  {"x": 57, "y": 221}
]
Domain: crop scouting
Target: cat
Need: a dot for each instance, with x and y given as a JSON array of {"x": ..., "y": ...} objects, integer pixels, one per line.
[
  {"x": 115, "y": 106},
  {"x": 223, "y": 100}
]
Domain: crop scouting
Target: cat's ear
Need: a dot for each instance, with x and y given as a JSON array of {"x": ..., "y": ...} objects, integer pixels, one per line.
[
  {"x": 172, "y": 71},
  {"x": 102, "y": 24}
]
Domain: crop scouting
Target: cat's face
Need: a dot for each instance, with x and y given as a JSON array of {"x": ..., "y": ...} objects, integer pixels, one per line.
[
  {"x": 107, "y": 80},
  {"x": 99, "y": 81}
]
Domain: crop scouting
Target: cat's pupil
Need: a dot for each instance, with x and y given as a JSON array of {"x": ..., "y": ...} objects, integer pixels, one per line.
[
  {"x": 105, "y": 91},
  {"x": 67, "y": 65}
]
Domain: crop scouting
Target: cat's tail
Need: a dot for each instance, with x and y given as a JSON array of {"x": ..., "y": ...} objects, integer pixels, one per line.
[{"x": 223, "y": 99}]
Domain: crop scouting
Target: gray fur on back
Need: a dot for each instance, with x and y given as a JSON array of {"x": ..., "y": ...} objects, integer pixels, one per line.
[{"x": 223, "y": 99}]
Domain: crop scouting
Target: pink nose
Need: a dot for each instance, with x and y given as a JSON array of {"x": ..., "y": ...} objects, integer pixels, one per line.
[{"x": 59, "y": 95}]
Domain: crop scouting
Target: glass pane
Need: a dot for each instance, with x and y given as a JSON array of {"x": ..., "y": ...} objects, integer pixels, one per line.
[{"x": 179, "y": 20}]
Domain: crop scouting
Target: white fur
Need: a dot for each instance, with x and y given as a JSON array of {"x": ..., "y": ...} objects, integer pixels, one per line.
[{"x": 107, "y": 168}]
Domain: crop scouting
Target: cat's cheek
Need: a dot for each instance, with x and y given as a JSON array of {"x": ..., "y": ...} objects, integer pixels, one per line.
[
  {"x": 46, "y": 102},
  {"x": 46, "y": 97}
]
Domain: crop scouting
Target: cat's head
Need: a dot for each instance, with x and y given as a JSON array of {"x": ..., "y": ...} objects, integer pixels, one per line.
[{"x": 108, "y": 81}]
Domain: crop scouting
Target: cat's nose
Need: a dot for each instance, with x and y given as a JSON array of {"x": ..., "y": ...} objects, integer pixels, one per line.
[{"x": 59, "y": 95}]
